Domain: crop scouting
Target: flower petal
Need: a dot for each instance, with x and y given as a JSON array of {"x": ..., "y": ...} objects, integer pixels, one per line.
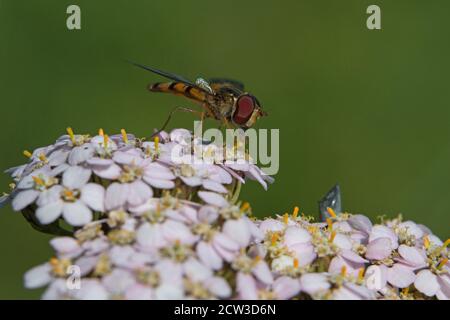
[
  {"x": 213, "y": 198},
  {"x": 77, "y": 214},
  {"x": 23, "y": 199},
  {"x": 50, "y": 212},
  {"x": 93, "y": 195},
  {"x": 426, "y": 282},
  {"x": 75, "y": 177}
]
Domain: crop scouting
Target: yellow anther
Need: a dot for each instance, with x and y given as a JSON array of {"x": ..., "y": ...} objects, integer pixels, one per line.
[
  {"x": 332, "y": 236},
  {"x": 257, "y": 259},
  {"x": 68, "y": 193},
  {"x": 274, "y": 238},
  {"x": 442, "y": 263},
  {"x": 38, "y": 181},
  {"x": 245, "y": 206},
  {"x": 343, "y": 271},
  {"x": 426, "y": 242},
  {"x": 27, "y": 154},
  {"x": 446, "y": 243},
  {"x": 101, "y": 132},
  {"x": 71, "y": 134},
  {"x": 156, "y": 140},
  {"x": 295, "y": 263},
  {"x": 105, "y": 141},
  {"x": 295, "y": 213},
  {"x": 177, "y": 242},
  {"x": 331, "y": 212},
  {"x": 330, "y": 224},
  {"x": 361, "y": 274},
  {"x": 124, "y": 135},
  {"x": 286, "y": 218},
  {"x": 405, "y": 291},
  {"x": 42, "y": 157}
]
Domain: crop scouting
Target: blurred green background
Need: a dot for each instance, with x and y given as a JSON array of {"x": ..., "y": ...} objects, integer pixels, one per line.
[{"x": 368, "y": 109}]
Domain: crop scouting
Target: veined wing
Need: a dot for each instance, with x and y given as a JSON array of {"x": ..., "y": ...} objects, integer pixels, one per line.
[{"x": 224, "y": 85}]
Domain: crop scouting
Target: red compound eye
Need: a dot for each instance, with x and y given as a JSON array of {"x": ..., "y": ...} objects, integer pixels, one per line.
[{"x": 244, "y": 109}]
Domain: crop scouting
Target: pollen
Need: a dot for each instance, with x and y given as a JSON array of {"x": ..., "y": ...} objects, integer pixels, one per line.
[
  {"x": 71, "y": 134},
  {"x": 343, "y": 271},
  {"x": 38, "y": 181},
  {"x": 405, "y": 291},
  {"x": 286, "y": 218},
  {"x": 245, "y": 206},
  {"x": 361, "y": 274},
  {"x": 295, "y": 213},
  {"x": 156, "y": 140},
  {"x": 274, "y": 238},
  {"x": 330, "y": 224},
  {"x": 331, "y": 212},
  {"x": 295, "y": 263},
  {"x": 442, "y": 263},
  {"x": 124, "y": 135},
  {"x": 426, "y": 242},
  {"x": 42, "y": 157},
  {"x": 101, "y": 132},
  {"x": 27, "y": 154},
  {"x": 332, "y": 236}
]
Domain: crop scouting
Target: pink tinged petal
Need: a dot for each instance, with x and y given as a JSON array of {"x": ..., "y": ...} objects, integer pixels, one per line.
[
  {"x": 38, "y": 276},
  {"x": 196, "y": 271},
  {"x": 99, "y": 162},
  {"x": 337, "y": 263},
  {"x": 234, "y": 174},
  {"x": 170, "y": 272},
  {"x": 379, "y": 249},
  {"x": 223, "y": 175},
  {"x": 271, "y": 225},
  {"x": 413, "y": 256},
  {"x": 64, "y": 245},
  {"x": 208, "y": 214},
  {"x": 256, "y": 233},
  {"x": 192, "y": 181},
  {"x": 237, "y": 230},
  {"x": 218, "y": 287},
  {"x": 412, "y": 229},
  {"x": 80, "y": 154},
  {"x": 286, "y": 287},
  {"x": 48, "y": 196},
  {"x": 304, "y": 253},
  {"x": 246, "y": 286},
  {"x": 57, "y": 290},
  {"x": 313, "y": 283},
  {"x": 77, "y": 214},
  {"x": 214, "y": 186},
  {"x": 169, "y": 292},
  {"x": 400, "y": 276},
  {"x": 76, "y": 177},
  {"x": 444, "y": 290},
  {"x": 116, "y": 196},
  {"x": 262, "y": 272},
  {"x": 376, "y": 277},
  {"x": 57, "y": 158},
  {"x": 176, "y": 231},
  {"x": 138, "y": 193},
  {"x": 295, "y": 235},
  {"x": 150, "y": 236},
  {"x": 208, "y": 256},
  {"x": 360, "y": 223},
  {"x": 158, "y": 171},
  {"x": 139, "y": 292},
  {"x": 91, "y": 290},
  {"x": 257, "y": 176},
  {"x": 426, "y": 282},
  {"x": 213, "y": 198},
  {"x": 126, "y": 158},
  {"x": 352, "y": 257},
  {"x": 23, "y": 199},
  {"x": 118, "y": 281},
  {"x": 50, "y": 212},
  {"x": 342, "y": 241},
  {"x": 380, "y": 231},
  {"x": 86, "y": 264},
  {"x": 93, "y": 195},
  {"x": 160, "y": 183},
  {"x": 225, "y": 247},
  {"x": 111, "y": 172}
]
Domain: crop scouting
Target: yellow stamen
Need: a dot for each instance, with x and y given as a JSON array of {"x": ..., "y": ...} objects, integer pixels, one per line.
[
  {"x": 38, "y": 181},
  {"x": 42, "y": 157},
  {"x": 245, "y": 206},
  {"x": 442, "y": 263},
  {"x": 405, "y": 291},
  {"x": 286, "y": 218},
  {"x": 101, "y": 132},
  {"x": 68, "y": 193},
  {"x": 343, "y": 271},
  {"x": 257, "y": 259},
  {"x": 331, "y": 212},
  {"x": 156, "y": 140},
  {"x": 27, "y": 154},
  {"x": 446, "y": 243},
  {"x": 124, "y": 135},
  {"x": 330, "y": 224},
  {"x": 361, "y": 274},
  {"x": 295, "y": 263},
  {"x": 105, "y": 141},
  {"x": 426, "y": 242},
  {"x": 274, "y": 238},
  {"x": 295, "y": 213},
  {"x": 71, "y": 134},
  {"x": 332, "y": 236}
]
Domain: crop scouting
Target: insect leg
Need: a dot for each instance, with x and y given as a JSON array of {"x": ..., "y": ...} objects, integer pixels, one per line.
[{"x": 170, "y": 117}]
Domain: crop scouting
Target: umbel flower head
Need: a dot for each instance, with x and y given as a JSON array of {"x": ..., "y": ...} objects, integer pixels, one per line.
[{"x": 148, "y": 227}]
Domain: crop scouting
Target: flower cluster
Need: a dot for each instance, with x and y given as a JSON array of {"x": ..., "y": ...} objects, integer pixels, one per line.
[{"x": 147, "y": 226}]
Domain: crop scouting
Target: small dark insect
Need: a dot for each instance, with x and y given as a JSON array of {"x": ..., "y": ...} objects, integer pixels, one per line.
[
  {"x": 224, "y": 100},
  {"x": 332, "y": 200}
]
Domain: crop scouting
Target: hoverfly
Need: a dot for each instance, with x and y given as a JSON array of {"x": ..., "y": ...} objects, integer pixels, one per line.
[{"x": 224, "y": 100}]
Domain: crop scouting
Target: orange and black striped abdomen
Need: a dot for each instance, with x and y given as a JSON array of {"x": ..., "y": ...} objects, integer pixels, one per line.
[{"x": 179, "y": 89}]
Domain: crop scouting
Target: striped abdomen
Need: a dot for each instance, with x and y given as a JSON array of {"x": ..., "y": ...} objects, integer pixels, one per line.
[{"x": 180, "y": 89}]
